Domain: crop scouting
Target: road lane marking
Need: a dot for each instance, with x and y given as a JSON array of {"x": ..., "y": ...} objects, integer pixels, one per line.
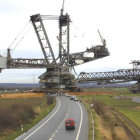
[
  {"x": 53, "y": 135},
  {"x": 56, "y": 131},
  {"x": 77, "y": 137},
  {"x": 44, "y": 122},
  {"x": 20, "y": 136}
]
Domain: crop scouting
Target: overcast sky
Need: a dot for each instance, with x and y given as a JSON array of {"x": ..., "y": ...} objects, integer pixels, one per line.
[{"x": 117, "y": 20}]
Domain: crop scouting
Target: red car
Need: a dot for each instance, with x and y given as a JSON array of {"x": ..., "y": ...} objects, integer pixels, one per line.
[{"x": 70, "y": 124}]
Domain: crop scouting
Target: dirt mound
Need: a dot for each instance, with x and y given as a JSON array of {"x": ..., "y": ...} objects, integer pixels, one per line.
[{"x": 22, "y": 95}]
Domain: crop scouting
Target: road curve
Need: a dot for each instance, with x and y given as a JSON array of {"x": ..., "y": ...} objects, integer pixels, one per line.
[{"x": 52, "y": 127}]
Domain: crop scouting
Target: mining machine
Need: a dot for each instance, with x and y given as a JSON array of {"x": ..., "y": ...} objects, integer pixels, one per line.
[
  {"x": 119, "y": 76},
  {"x": 58, "y": 73}
]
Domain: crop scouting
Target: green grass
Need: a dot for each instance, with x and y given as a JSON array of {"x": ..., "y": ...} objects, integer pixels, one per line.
[
  {"x": 31, "y": 101},
  {"x": 132, "y": 114},
  {"x": 107, "y": 89},
  {"x": 97, "y": 135},
  {"x": 130, "y": 109},
  {"x": 34, "y": 102},
  {"x": 90, "y": 136},
  {"x": 110, "y": 101},
  {"x": 120, "y": 103},
  {"x": 130, "y": 94}
]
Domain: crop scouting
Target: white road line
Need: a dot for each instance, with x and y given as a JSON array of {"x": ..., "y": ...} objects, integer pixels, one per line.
[
  {"x": 44, "y": 122},
  {"x": 56, "y": 131},
  {"x": 77, "y": 137},
  {"x": 53, "y": 135},
  {"x": 20, "y": 136}
]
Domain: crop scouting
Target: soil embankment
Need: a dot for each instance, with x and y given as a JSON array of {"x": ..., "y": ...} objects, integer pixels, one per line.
[{"x": 22, "y": 95}]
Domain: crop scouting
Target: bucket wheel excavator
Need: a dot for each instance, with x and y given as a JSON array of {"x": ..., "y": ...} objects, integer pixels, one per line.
[{"x": 58, "y": 68}]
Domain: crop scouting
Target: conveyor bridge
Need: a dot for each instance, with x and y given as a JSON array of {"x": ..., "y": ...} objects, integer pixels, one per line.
[{"x": 123, "y": 75}]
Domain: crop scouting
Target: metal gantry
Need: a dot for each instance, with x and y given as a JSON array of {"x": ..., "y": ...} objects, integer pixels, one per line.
[
  {"x": 58, "y": 68},
  {"x": 135, "y": 63},
  {"x": 123, "y": 75}
]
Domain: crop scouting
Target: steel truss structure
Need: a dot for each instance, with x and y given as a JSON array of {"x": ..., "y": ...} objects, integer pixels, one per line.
[
  {"x": 135, "y": 63},
  {"x": 58, "y": 68},
  {"x": 124, "y": 75}
]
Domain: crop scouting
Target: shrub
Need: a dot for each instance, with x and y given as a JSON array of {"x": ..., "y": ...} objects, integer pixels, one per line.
[
  {"x": 15, "y": 115},
  {"x": 99, "y": 108},
  {"x": 50, "y": 100}
]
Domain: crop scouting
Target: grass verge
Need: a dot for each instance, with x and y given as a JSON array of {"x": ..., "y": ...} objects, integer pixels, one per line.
[
  {"x": 44, "y": 110},
  {"x": 89, "y": 119},
  {"x": 132, "y": 114},
  {"x": 130, "y": 109},
  {"x": 90, "y": 114}
]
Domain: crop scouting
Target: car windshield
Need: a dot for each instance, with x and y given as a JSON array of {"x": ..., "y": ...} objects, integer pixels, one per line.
[{"x": 69, "y": 121}]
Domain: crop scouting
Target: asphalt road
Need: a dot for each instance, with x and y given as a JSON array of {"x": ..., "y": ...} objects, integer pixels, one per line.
[{"x": 52, "y": 127}]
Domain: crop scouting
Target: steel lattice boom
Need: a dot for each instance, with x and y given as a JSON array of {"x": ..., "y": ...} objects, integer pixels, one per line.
[
  {"x": 58, "y": 67},
  {"x": 124, "y": 75}
]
